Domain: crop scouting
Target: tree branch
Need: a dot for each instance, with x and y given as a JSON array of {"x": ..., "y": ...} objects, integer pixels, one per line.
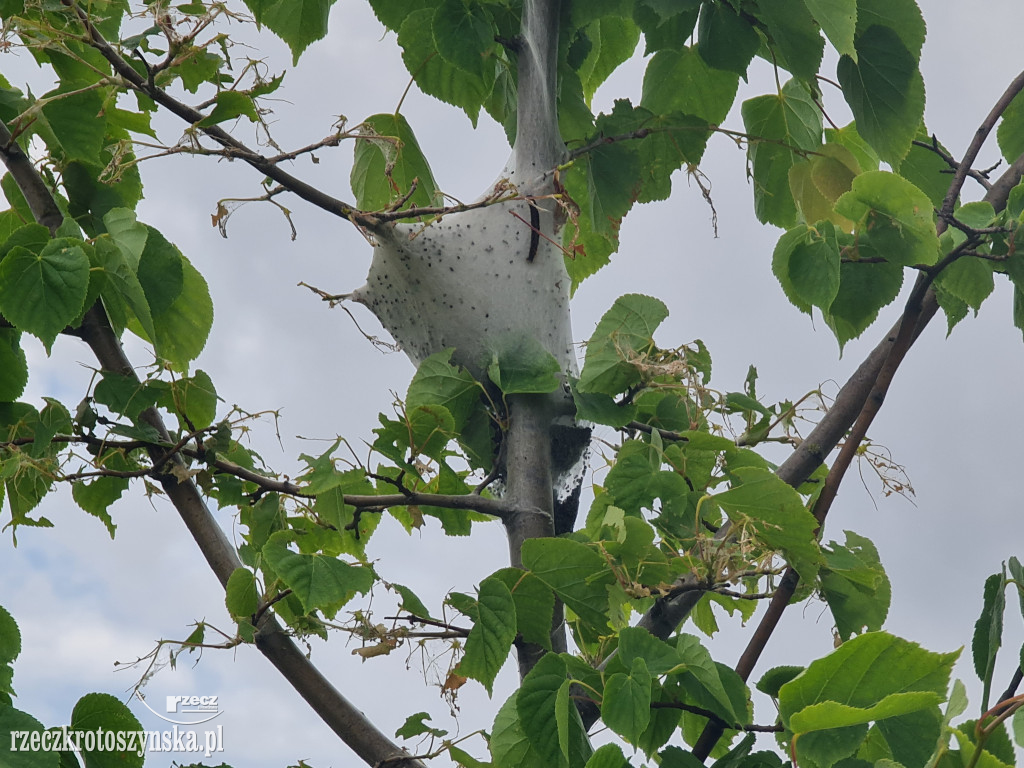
[
  {"x": 920, "y": 308},
  {"x": 716, "y": 718},
  {"x": 266, "y": 166},
  {"x": 351, "y": 725}
]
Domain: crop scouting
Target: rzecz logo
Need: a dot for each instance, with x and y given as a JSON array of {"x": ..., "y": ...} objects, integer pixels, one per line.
[{"x": 187, "y": 710}]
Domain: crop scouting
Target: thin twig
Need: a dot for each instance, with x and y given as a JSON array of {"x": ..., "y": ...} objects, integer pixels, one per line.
[{"x": 980, "y": 176}]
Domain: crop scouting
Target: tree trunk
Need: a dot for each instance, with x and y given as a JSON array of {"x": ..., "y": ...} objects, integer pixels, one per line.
[{"x": 482, "y": 279}]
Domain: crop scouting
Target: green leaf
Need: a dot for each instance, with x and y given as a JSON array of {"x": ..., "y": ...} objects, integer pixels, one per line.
[
  {"x": 607, "y": 756},
  {"x": 726, "y": 40},
  {"x": 392, "y": 13},
  {"x": 20, "y": 206},
  {"x": 806, "y": 262},
  {"x": 120, "y": 286},
  {"x": 855, "y": 586},
  {"x": 1017, "y": 574},
  {"x": 12, "y": 720},
  {"x": 660, "y": 657},
  {"x": 43, "y": 293},
  {"x": 838, "y": 20},
  {"x": 925, "y": 169},
  {"x": 534, "y": 603},
  {"x": 438, "y": 382},
  {"x": 536, "y": 704},
  {"x": 780, "y": 126},
  {"x": 894, "y": 219},
  {"x": 601, "y": 408},
  {"x": 623, "y": 335},
  {"x": 196, "y": 398},
  {"x": 78, "y": 123},
  {"x": 434, "y": 74},
  {"x": 681, "y": 81},
  {"x": 182, "y": 330},
  {"x": 848, "y": 138},
  {"x": 242, "y": 593},
  {"x": 703, "y": 675},
  {"x": 969, "y": 279},
  {"x": 510, "y": 747},
  {"x": 817, "y": 183},
  {"x": 576, "y": 573},
  {"x": 490, "y": 640},
  {"x": 89, "y": 198},
  {"x": 319, "y": 581},
  {"x": 521, "y": 365},
  {"x": 96, "y": 711},
  {"x": 637, "y": 479},
  {"x": 794, "y": 37},
  {"x": 1010, "y": 133},
  {"x": 613, "y": 38},
  {"x": 410, "y": 602},
  {"x": 387, "y": 161},
  {"x": 831, "y": 714},
  {"x": 862, "y": 672},
  {"x": 196, "y": 66},
  {"x": 626, "y": 706},
  {"x": 988, "y": 633},
  {"x": 10, "y": 637},
  {"x": 901, "y": 16},
  {"x": 464, "y": 34},
  {"x": 127, "y": 233},
  {"x": 605, "y": 183},
  {"x": 562, "y": 707},
  {"x": 676, "y": 140},
  {"x": 665, "y": 27},
  {"x": 863, "y": 290},
  {"x": 228, "y": 105},
  {"x": 416, "y": 725},
  {"x": 13, "y": 366},
  {"x": 125, "y": 394},
  {"x": 298, "y": 22},
  {"x": 774, "y": 512},
  {"x": 885, "y": 92},
  {"x": 95, "y": 497},
  {"x": 776, "y": 677}
]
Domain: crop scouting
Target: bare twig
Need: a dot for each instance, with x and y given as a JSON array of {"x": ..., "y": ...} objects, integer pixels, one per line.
[{"x": 982, "y": 177}]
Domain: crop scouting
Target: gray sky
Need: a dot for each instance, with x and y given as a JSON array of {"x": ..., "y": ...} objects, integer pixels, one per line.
[{"x": 952, "y": 417}]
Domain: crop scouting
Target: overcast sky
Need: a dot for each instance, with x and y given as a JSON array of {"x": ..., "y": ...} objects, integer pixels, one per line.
[{"x": 952, "y": 418}]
